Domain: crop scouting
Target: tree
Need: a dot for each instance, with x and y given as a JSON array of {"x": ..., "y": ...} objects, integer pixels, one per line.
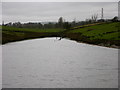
[
  {"x": 88, "y": 21},
  {"x": 67, "y": 25},
  {"x": 94, "y": 17},
  {"x": 17, "y": 24},
  {"x": 73, "y": 24},
  {"x": 49, "y": 25},
  {"x": 60, "y": 22},
  {"x": 40, "y": 25},
  {"x": 115, "y": 19}
]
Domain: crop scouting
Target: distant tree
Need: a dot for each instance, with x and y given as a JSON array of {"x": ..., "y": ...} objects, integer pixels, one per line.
[
  {"x": 67, "y": 25},
  {"x": 60, "y": 22},
  {"x": 56, "y": 25},
  {"x": 73, "y": 24},
  {"x": 32, "y": 25},
  {"x": 88, "y": 21},
  {"x": 40, "y": 25},
  {"x": 17, "y": 24},
  {"x": 8, "y": 24},
  {"x": 94, "y": 17},
  {"x": 49, "y": 25},
  {"x": 115, "y": 19}
]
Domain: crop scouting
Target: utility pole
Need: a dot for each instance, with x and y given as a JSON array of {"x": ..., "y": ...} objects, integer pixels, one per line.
[
  {"x": 119, "y": 10},
  {"x": 102, "y": 14}
]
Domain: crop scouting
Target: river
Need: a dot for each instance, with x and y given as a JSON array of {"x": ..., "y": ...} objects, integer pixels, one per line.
[{"x": 53, "y": 63}]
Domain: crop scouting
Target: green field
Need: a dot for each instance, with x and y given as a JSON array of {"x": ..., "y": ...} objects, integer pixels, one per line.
[
  {"x": 30, "y": 29},
  {"x": 106, "y": 34},
  {"x": 103, "y": 31}
]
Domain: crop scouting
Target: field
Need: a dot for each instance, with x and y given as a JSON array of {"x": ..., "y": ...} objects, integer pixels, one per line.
[
  {"x": 101, "y": 31},
  {"x": 105, "y": 34}
]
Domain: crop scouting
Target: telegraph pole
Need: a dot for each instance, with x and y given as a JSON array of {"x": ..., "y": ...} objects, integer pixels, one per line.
[
  {"x": 119, "y": 10},
  {"x": 102, "y": 14}
]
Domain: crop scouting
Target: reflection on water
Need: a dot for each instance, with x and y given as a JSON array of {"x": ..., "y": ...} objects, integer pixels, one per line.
[
  {"x": 58, "y": 38},
  {"x": 49, "y": 63}
]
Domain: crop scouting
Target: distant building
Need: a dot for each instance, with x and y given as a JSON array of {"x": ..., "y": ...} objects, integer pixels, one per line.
[{"x": 119, "y": 10}]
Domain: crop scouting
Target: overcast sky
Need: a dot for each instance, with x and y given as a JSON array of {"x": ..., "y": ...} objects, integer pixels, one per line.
[
  {"x": 51, "y": 11},
  {"x": 59, "y": 0}
]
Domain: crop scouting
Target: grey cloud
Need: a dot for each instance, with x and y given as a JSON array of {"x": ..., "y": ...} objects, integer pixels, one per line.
[{"x": 51, "y": 11}]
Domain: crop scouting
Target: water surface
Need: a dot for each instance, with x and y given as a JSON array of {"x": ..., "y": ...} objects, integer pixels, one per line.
[{"x": 50, "y": 63}]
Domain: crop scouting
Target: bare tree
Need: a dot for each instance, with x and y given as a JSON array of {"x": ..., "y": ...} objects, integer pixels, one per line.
[{"x": 94, "y": 17}]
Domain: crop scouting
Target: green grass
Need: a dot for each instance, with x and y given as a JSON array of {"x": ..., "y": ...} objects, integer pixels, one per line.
[
  {"x": 31, "y": 30},
  {"x": 102, "y": 31},
  {"x": 111, "y": 36}
]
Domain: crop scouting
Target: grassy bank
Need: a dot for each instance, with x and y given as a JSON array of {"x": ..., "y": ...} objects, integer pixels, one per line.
[
  {"x": 106, "y": 34},
  {"x": 11, "y": 34}
]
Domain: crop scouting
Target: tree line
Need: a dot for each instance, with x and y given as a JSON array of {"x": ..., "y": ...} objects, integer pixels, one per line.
[{"x": 60, "y": 24}]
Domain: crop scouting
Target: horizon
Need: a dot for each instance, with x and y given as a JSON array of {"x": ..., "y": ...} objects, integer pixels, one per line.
[
  {"x": 46, "y": 21},
  {"x": 51, "y": 11}
]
